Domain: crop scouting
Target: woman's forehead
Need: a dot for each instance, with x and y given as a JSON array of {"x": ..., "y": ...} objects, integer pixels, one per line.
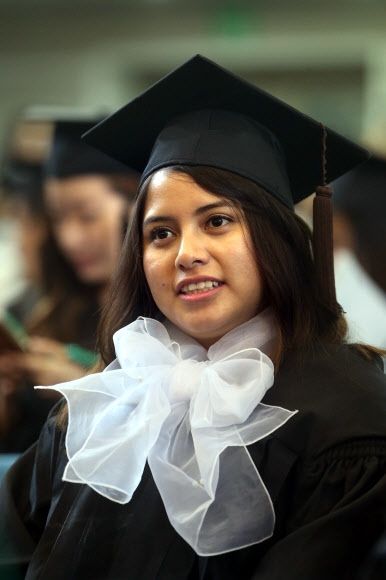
[
  {"x": 166, "y": 175},
  {"x": 174, "y": 190}
]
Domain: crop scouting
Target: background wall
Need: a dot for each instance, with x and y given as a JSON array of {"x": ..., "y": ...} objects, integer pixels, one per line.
[{"x": 327, "y": 58}]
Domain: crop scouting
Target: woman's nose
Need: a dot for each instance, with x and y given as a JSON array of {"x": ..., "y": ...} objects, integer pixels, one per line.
[
  {"x": 70, "y": 237},
  {"x": 191, "y": 252}
]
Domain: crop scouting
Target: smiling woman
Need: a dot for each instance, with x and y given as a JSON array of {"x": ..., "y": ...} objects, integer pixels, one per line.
[
  {"x": 199, "y": 263},
  {"x": 234, "y": 432}
]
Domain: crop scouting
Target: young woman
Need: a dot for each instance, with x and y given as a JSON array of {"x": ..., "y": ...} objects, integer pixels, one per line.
[
  {"x": 234, "y": 433},
  {"x": 84, "y": 202}
]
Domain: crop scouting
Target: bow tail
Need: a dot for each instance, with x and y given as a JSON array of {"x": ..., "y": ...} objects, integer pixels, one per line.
[
  {"x": 228, "y": 510},
  {"x": 112, "y": 458}
]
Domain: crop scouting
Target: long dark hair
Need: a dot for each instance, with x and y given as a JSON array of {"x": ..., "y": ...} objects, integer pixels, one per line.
[
  {"x": 69, "y": 310},
  {"x": 283, "y": 245}
]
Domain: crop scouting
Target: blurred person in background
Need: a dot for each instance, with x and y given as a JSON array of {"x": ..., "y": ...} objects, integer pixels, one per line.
[
  {"x": 87, "y": 199},
  {"x": 360, "y": 249},
  {"x": 21, "y": 204},
  {"x": 22, "y": 413}
]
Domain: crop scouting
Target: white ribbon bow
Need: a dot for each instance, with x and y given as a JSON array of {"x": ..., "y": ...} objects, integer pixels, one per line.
[{"x": 190, "y": 413}]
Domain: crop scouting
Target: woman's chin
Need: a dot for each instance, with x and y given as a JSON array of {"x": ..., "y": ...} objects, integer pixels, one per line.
[{"x": 91, "y": 276}]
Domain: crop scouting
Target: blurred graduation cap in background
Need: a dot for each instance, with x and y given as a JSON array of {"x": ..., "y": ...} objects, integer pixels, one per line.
[
  {"x": 69, "y": 156},
  {"x": 360, "y": 196},
  {"x": 363, "y": 188}
]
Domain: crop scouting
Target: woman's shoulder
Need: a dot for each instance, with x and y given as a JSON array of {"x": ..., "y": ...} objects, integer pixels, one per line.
[
  {"x": 339, "y": 394},
  {"x": 338, "y": 368}
]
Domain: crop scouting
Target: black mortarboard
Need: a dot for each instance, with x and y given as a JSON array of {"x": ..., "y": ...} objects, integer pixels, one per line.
[
  {"x": 361, "y": 196},
  {"x": 70, "y": 156},
  {"x": 201, "y": 114},
  {"x": 362, "y": 191}
]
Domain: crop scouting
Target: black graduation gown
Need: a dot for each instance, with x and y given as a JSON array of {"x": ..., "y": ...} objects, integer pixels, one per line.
[{"x": 325, "y": 470}]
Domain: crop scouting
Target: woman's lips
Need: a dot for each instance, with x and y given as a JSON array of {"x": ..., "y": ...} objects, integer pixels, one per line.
[
  {"x": 200, "y": 287},
  {"x": 195, "y": 292},
  {"x": 84, "y": 263}
]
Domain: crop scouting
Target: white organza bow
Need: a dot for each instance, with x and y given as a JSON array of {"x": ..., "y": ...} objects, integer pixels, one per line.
[{"x": 190, "y": 413}]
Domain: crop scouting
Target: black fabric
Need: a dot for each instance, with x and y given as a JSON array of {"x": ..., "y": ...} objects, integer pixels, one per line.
[
  {"x": 325, "y": 470},
  {"x": 133, "y": 134},
  {"x": 363, "y": 190},
  {"x": 32, "y": 414},
  {"x": 69, "y": 156},
  {"x": 212, "y": 138}
]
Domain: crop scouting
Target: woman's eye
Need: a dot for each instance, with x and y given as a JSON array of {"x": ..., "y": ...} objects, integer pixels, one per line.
[
  {"x": 160, "y": 234},
  {"x": 218, "y": 220}
]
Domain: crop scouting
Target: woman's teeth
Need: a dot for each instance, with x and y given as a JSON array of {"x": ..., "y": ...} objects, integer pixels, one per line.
[{"x": 199, "y": 287}]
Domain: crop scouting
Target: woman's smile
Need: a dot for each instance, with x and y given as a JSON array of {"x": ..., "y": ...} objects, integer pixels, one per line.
[
  {"x": 198, "y": 285},
  {"x": 197, "y": 257}
]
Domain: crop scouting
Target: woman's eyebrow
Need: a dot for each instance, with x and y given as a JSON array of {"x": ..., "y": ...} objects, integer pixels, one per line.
[
  {"x": 210, "y": 206},
  {"x": 197, "y": 212},
  {"x": 157, "y": 218}
]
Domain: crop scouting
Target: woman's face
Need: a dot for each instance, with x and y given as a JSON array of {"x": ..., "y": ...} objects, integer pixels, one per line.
[
  {"x": 87, "y": 221},
  {"x": 198, "y": 258}
]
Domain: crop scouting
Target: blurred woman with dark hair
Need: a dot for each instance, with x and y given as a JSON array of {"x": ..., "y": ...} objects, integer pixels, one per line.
[
  {"x": 360, "y": 249},
  {"x": 86, "y": 202}
]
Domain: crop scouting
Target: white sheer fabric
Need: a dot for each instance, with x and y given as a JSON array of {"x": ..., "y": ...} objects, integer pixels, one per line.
[{"x": 190, "y": 413}]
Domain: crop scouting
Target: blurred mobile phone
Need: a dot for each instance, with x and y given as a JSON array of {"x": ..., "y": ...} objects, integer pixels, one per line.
[{"x": 12, "y": 334}]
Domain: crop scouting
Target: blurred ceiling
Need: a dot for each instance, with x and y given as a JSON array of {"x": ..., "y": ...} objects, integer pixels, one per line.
[
  {"x": 94, "y": 52},
  {"x": 130, "y": 4}
]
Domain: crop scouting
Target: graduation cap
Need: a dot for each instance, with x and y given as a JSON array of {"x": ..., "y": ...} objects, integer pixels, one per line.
[
  {"x": 360, "y": 195},
  {"x": 70, "y": 156},
  {"x": 201, "y": 114},
  {"x": 362, "y": 190}
]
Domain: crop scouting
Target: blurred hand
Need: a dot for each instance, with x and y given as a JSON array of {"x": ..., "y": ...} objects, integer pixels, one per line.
[
  {"x": 44, "y": 363},
  {"x": 47, "y": 346}
]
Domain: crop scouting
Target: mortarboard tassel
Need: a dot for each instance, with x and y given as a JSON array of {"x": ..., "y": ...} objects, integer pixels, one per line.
[{"x": 323, "y": 238}]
